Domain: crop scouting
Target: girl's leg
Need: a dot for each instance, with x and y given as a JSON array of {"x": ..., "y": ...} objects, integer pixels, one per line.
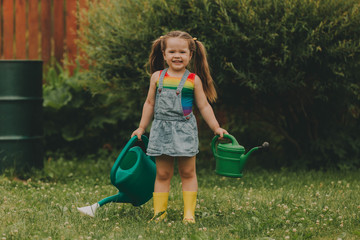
[
  {"x": 164, "y": 173},
  {"x": 187, "y": 170}
]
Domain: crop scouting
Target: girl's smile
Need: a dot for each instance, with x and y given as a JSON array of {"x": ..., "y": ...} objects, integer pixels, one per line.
[{"x": 177, "y": 54}]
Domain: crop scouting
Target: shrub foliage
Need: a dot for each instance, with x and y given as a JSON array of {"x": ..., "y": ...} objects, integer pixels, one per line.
[{"x": 287, "y": 71}]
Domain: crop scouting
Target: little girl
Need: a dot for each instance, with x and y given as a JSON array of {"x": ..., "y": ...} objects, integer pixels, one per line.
[{"x": 174, "y": 131}]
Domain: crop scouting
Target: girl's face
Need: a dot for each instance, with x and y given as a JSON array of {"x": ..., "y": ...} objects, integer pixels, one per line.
[{"x": 177, "y": 53}]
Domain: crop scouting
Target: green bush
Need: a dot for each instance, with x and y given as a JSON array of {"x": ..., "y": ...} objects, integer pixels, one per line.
[
  {"x": 75, "y": 121},
  {"x": 287, "y": 71}
]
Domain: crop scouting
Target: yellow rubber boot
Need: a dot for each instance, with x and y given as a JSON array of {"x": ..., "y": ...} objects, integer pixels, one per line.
[
  {"x": 189, "y": 206},
  {"x": 160, "y": 205}
]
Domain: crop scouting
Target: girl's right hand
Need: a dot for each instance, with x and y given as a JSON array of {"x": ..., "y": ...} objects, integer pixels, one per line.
[
  {"x": 138, "y": 132},
  {"x": 220, "y": 131}
]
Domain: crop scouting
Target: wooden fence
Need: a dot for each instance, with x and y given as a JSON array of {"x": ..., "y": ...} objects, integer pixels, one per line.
[{"x": 40, "y": 29}]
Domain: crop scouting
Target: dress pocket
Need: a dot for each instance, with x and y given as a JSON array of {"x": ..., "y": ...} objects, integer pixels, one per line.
[
  {"x": 166, "y": 103},
  {"x": 186, "y": 138}
]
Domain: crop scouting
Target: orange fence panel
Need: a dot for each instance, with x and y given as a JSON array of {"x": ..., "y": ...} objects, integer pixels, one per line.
[
  {"x": 8, "y": 26},
  {"x": 40, "y": 29},
  {"x": 33, "y": 23},
  {"x": 59, "y": 29},
  {"x": 45, "y": 30},
  {"x": 71, "y": 28},
  {"x": 1, "y": 23},
  {"x": 84, "y": 6},
  {"x": 20, "y": 26}
]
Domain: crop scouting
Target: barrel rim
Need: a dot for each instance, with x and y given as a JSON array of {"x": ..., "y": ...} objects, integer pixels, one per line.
[{"x": 7, "y": 98}]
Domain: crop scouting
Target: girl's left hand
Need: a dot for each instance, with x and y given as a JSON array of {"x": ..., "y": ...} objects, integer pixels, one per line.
[{"x": 220, "y": 131}]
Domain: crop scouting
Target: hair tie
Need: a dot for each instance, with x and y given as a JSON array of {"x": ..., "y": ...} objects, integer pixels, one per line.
[{"x": 194, "y": 39}]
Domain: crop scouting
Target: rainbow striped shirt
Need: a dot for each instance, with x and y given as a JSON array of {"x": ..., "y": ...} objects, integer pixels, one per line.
[{"x": 187, "y": 94}]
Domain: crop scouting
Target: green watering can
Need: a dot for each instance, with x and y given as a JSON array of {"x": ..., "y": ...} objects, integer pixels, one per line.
[
  {"x": 230, "y": 157},
  {"x": 133, "y": 174}
]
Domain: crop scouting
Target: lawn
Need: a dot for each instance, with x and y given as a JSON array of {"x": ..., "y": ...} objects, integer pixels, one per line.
[{"x": 261, "y": 205}]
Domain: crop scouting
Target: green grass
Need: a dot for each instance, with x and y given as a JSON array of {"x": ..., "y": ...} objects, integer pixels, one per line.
[{"x": 261, "y": 205}]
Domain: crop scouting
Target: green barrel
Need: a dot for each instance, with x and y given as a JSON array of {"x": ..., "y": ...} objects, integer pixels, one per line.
[{"x": 21, "y": 126}]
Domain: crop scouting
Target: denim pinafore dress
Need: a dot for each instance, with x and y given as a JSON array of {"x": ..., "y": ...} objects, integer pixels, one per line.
[{"x": 172, "y": 133}]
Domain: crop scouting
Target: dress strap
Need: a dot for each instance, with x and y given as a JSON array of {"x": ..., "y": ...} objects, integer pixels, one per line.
[
  {"x": 182, "y": 82},
  {"x": 161, "y": 79}
]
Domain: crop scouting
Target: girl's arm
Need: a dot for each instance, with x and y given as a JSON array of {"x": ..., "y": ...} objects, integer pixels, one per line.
[
  {"x": 148, "y": 108},
  {"x": 206, "y": 109}
]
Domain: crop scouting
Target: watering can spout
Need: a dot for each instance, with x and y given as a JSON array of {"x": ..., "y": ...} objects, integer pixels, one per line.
[
  {"x": 263, "y": 147},
  {"x": 244, "y": 157},
  {"x": 133, "y": 174}
]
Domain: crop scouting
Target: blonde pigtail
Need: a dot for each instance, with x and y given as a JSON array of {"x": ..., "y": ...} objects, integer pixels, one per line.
[
  {"x": 156, "y": 60},
  {"x": 202, "y": 69}
]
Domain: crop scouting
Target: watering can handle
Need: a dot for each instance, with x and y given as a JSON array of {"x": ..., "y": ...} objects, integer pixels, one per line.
[
  {"x": 129, "y": 144},
  {"x": 231, "y": 137}
]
